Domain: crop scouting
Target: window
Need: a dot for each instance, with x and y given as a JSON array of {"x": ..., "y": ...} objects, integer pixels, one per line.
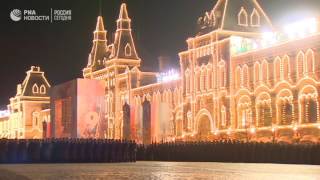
[
  {"x": 197, "y": 79},
  {"x": 203, "y": 78},
  {"x": 127, "y": 50},
  {"x": 35, "y": 119},
  {"x": 243, "y": 17},
  {"x": 223, "y": 116},
  {"x": 213, "y": 19},
  {"x": 209, "y": 77},
  {"x": 245, "y": 76},
  {"x": 237, "y": 77},
  {"x": 255, "y": 18},
  {"x": 309, "y": 62},
  {"x": 265, "y": 71},
  {"x": 277, "y": 69},
  {"x": 286, "y": 67},
  {"x": 222, "y": 74},
  {"x": 300, "y": 65},
  {"x": 42, "y": 89},
  {"x": 187, "y": 74},
  {"x": 256, "y": 72},
  {"x": 35, "y": 89}
]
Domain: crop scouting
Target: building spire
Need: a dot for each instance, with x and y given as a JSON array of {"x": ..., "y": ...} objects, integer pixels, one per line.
[
  {"x": 123, "y": 12},
  {"x": 100, "y": 33},
  {"x": 98, "y": 52},
  {"x": 124, "y": 46},
  {"x": 123, "y": 22},
  {"x": 100, "y": 26}
]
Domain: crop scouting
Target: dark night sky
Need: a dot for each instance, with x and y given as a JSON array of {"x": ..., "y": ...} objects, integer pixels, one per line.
[{"x": 160, "y": 27}]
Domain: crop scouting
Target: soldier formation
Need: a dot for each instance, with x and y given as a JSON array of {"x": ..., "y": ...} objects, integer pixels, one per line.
[
  {"x": 105, "y": 150},
  {"x": 231, "y": 151},
  {"x": 66, "y": 150}
]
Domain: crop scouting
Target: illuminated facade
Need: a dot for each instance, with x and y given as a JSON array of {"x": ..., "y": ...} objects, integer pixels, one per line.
[
  {"x": 235, "y": 81},
  {"x": 240, "y": 78},
  {"x": 29, "y": 110}
]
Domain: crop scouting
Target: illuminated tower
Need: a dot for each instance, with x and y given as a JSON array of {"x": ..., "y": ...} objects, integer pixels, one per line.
[
  {"x": 99, "y": 52},
  {"x": 111, "y": 63}
]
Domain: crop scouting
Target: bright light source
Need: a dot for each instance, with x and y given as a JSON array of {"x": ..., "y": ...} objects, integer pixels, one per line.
[
  {"x": 170, "y": 75},
  {"x": 229, "y": 131},
  {"x": 301, "y": 29},
  {"x": 253, "y": 130},
  {"x": 4, "y": 113},
  {"x": 216, "y": 132}
]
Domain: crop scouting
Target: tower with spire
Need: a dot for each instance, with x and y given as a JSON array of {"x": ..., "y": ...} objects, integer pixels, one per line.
[
  {"x": 111, "y": 63},
  {"x": 99, "y": 52},
  {"x": 120, "y": 54}
]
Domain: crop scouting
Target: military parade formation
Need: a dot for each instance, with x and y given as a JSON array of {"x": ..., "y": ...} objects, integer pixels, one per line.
[
  {"x": 66, "y": 150},
  {"x": 231, "y": 151}
]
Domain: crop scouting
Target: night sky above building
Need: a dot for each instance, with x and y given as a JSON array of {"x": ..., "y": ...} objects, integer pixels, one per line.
[{"x": 61, "y": 48}]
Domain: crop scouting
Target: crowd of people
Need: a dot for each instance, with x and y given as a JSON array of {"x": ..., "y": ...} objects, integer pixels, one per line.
[
  {"x": 105, "y": 150},
  {"x": 66, "y": 150},
  {"x": 231, "y": 151}
]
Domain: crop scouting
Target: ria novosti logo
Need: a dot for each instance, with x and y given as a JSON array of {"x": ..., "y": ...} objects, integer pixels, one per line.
[
  {"x": 16, "y": 15},
  {"x": 32, "y": 15}
]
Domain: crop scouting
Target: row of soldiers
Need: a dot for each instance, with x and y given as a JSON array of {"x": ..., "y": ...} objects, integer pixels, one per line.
[
  {"x": 66, "y": 150},
  {"x": 231, "y": 151}
]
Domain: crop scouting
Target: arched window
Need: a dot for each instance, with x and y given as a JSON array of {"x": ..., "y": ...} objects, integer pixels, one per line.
[
  {"x": 300, "y": 65},
  {"x": 277, "y": 69},
  {"x": 222, "y": 73},
  {"x": 223, "y": 116},
  {"x": 309, "y": 105},
  {"x": 256, "y": 76},
  {"x": 285, "y": 109},
  {"x": 245, "y": 76},
  {"x": 127, "y": 50},
  {"x": 206, "y": 19},
  {"x": 209, "y": 77},
  {"x": 187, "y": 74},
  {"x": 203, "y": 78},
  {"x": 35, "y": 89},
  {"x": 212, "y": 19},
  {"x": 286, "y": 67},
  {"x": 243, "y": 17},
  {"x": 197, "y": 79},
  {"x": 310, "y": 62},
  {"x": 264, "y": 110},
  {"x": 255, "y": 18},
  {"x": 42, "y": 89},
  {"x": 244, "y": 112},
  {"x": 286, "y": 113},
  {"x": 238, "y": 77},
  {"x": 265, "y": 71}
]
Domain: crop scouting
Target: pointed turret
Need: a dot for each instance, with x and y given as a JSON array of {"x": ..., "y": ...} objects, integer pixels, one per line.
[
  {"x": 124, "y": 47},
  {"x": 98, "y": 52},
  {"x": 100, "y": 26},
  {"x": 234, "y": 16},
  {"x": 123, "y": 12}
]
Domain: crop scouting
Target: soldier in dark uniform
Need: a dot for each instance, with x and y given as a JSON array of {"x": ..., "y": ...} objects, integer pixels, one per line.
[
  {"x": 12, "y": 151},
  {"x": 22, "y": 151},
  {"x": 3, "y": 150},
  {"x": 106, "y": 151}
]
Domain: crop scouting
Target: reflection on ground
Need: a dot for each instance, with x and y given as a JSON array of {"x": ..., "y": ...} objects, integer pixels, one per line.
[{"x": 160, "y": 170}]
